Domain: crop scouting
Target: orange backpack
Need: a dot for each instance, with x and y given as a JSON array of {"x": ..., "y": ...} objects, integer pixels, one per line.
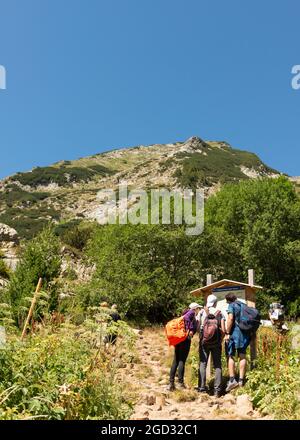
[{"x": 175, "y": 331}]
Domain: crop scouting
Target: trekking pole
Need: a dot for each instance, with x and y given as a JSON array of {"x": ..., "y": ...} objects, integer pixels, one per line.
[{"x": 33, "y": 302}]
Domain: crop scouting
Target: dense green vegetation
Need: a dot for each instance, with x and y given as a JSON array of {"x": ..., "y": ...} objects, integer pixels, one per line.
[
  {"x": 259, "y": 221},
  {"x": 147, "y": 269},
  {"x": 216, "y": 165},
  {"x": 28, "y": 222},
  {"x": 40, "y": 259},
  {"x": 60, "y": 373},
  {"x": 4, "y": 271},
  {"x": 62, "y": 175},
  {"x": 275, "y": 383},
  {"x": 14, "y": 194}
]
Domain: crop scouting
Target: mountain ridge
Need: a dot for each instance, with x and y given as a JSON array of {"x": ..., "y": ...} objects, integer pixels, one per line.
[{"x": 67, "y": 190}]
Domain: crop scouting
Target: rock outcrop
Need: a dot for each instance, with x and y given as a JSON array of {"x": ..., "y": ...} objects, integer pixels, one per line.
[{"x": 9, "y": 241}]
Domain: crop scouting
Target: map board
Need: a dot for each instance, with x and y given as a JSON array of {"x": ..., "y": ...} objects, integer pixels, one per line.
[{"x": 220, "y": 292}]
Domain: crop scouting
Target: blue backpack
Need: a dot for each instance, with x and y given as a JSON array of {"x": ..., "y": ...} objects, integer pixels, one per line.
[{"x": 249, "y": 319}]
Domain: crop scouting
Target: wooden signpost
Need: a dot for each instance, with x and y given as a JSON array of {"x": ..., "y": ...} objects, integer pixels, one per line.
[{"x": 33, "y": 302}]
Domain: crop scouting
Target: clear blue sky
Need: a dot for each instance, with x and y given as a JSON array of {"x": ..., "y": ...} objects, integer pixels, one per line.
[{"x": 86, "y": 76}]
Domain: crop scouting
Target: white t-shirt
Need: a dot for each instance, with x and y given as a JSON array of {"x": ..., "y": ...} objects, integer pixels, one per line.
[{"x": 202, "y": 315}]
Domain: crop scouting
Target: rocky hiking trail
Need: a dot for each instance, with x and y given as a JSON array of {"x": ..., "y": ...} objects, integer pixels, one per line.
[{"x": 149, "y": 378}]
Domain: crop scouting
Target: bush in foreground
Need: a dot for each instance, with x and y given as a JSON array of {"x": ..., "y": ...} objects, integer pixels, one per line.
[{"x": 59, "y": 376}]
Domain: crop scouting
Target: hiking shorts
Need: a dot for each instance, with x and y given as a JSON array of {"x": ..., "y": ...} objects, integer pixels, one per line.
[{"x": 231, "y": 349}]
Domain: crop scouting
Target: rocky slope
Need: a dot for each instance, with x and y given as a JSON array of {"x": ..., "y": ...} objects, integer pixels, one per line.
[{"x": 68, "y": 189}]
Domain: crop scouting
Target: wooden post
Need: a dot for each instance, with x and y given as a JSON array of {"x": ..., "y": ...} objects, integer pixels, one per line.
[
  {"x": 33, "y": 302},
  {"x": 253, "y": 354},
  {"x": 251, "y": 275},
  {"x": 209, "y": 279}
]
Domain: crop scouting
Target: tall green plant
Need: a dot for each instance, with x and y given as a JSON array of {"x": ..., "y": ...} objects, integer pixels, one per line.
[{"x": 40, "y": 258}]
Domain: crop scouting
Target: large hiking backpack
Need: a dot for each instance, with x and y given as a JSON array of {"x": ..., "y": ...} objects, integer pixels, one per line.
[
  {"x": 175, "y": 331},
  {"x": 211, "y": 333},
  {"x": 249, "y": 320}
]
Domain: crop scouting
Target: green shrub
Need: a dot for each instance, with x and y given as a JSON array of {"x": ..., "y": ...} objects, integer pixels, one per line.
[
  {"x": 218, "y": 164},
  {"x": 274, "y": 385},
  {"x": 29, "y": 221},
  {"x": 4, "y": 270},
  {"x": 63, "y": 175},
  {"x": 77, "y": 236},
  {"x": 146, "y": 269},
  {"x": 40, "y": 259},
  {"x": 59, "y": 376},
  {"x": 15, "y": 194}
]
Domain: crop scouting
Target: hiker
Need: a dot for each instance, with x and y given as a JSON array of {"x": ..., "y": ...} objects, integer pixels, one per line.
[
  {"x": 237, "y": 341},
  {"x": 112, "y": 334},
  {"x": 211, "y": 334},
  {"x": 182, "y": 349}
]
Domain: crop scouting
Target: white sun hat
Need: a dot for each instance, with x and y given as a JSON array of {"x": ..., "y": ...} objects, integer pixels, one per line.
[
  {"x": 211, "y": 300},
  {"x": 194, "y": 306}
]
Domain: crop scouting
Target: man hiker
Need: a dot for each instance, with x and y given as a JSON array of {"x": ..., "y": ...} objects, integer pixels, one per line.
[
  {"x": 182, "y": 349},
  {"x": 212, "y": 330},
  {"x": 237, "y": 341},
  {"x": 112, "y": 332}
]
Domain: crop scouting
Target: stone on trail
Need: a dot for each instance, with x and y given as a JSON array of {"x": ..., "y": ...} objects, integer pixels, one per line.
[
  {"x": 229, "y": 398},
  {"x": 161, "y": 400},
  {"x": 243, "y": 406},
  {"x": 150, "y": 399}
]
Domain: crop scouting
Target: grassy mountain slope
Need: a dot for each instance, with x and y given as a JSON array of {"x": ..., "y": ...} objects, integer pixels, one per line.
[{"x": 67, "y": 190}]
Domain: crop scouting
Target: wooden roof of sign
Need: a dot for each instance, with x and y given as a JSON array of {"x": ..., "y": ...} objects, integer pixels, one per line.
[{"x": 223, "y": 283}]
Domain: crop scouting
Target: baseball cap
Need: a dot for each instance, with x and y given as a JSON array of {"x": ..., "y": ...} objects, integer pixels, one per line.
[
  {"x": 211, "y": 300},
  {"x": 193, "y": 306}
]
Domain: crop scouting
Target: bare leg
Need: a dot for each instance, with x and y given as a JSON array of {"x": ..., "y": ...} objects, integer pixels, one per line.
[
  {"x": 231, "y": 366},
  {"x": 243, "y": 365}
]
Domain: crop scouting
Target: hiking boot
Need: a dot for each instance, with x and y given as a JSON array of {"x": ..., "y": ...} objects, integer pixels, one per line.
[
  {"x": 171, "y": 387},
  {"x": 241, "y": 383},
  {"x": 202, "y": 389},
  {"x": 231, "y": 385},
  {"x": 217, "y": 394},
  {"x": 182, "y": 386}
]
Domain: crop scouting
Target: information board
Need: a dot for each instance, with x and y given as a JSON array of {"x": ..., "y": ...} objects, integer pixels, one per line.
[{"x": 220, "y": 293}]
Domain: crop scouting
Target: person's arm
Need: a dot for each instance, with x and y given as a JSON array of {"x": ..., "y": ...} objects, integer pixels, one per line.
[
  {"x": 223, "y": 329},
  {"x": 229, "y": 323},
  {"x": 189, "y": 319}
]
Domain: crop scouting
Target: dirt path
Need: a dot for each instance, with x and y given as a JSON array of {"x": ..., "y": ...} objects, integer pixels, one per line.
[{"x": 149, "y": 378}]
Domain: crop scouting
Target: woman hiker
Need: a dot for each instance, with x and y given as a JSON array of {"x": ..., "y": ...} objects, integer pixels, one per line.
[{"x": 182, "y": 349}]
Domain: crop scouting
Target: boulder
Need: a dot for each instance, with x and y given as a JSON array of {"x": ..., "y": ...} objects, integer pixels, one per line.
[
  {"x": 244, "y": 406},
  {"x": 9, "y": 241},
  {"x": 8, "y": 234},
  {"x": 229, "y": 398}
]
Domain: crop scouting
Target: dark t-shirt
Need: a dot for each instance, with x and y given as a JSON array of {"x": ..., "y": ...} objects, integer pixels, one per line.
[{"x": 115, "y": 316}]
